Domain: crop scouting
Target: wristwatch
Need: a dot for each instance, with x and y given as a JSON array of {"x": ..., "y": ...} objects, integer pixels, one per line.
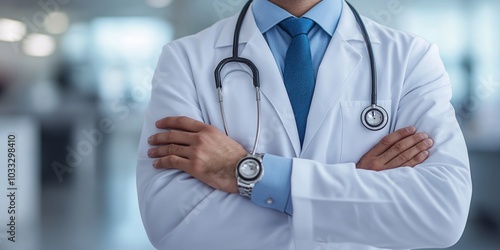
[{"x": 248, "y": 172}]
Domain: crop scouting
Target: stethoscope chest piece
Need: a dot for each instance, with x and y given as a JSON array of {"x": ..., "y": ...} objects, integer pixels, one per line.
[{"x": 374, "y": 117}]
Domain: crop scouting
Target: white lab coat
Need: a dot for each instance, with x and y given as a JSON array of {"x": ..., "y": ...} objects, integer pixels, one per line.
[{"x": 336, "y": 206}]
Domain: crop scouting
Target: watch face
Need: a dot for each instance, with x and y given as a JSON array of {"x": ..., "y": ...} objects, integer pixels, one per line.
[{"x": 249, "y": 169}]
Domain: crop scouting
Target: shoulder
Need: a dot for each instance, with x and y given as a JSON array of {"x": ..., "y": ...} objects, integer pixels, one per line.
[
  {"x": 392, "y": 38},
  {"x": 418, "y": 60},
  {"x": 404, "y": 48},
  {"x": 199, "y": 42},
  {"x": 188, "y": 52}
]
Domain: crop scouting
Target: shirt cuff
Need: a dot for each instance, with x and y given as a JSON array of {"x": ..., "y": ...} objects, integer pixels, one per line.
[{"x": 273, "y": 190}]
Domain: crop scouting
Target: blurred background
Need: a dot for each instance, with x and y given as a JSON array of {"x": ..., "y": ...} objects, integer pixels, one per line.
[{"x": 75, "y": 79}]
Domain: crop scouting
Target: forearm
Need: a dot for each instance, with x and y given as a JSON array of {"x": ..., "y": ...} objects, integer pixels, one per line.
[
  {"x": 421, "y": 207},
  {"x": 179, "y": 212},
  {"x": 400, "y": 208}
]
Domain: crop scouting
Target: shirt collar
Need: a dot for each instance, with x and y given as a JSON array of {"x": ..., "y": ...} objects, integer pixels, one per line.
[{"x": 326, "y": 14}]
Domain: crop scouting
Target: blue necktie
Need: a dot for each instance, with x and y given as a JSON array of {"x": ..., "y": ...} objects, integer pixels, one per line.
[{"x": 299, "y": 73}]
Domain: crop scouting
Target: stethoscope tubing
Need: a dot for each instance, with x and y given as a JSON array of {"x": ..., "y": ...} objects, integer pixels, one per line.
[
  {"x": 255, "y": 76},
  {"x": 373, "y": 65},
  {"x": 256, "y": 80}
]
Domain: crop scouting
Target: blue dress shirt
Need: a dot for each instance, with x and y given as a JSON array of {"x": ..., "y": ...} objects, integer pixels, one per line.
[{"x": 274, "y": 190}]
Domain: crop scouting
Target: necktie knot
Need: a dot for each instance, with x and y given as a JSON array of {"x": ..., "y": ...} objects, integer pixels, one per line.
[{"x": 296, "y": 26}]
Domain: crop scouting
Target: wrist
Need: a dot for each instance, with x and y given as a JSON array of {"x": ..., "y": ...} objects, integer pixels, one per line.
[{"x": 273, "y": 190}]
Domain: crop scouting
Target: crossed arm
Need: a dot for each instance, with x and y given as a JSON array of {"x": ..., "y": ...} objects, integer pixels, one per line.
[
  {"x": 394, "y": 207},
  {"x": 207, "y": 154}
]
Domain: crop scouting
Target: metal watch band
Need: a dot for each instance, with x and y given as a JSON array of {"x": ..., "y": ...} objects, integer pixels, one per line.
[
  {"x": 245, "y": 188},
  {"x": 245, "y": 191}
]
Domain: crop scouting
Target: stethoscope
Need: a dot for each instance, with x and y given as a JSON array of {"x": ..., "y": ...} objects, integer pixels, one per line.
[{"x": 373, "y": 117}]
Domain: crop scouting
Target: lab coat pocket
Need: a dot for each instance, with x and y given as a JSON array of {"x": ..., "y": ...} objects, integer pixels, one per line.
[{"x": 357, "y": 140}]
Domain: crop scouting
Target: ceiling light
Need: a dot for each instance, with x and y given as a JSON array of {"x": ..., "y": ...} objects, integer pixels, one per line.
[
  {"x": 56, "y": 22},
  {"x": 159, "y": 3},
  {"x": 11, "y": 30},
  {"x": 39, "y": 45}
]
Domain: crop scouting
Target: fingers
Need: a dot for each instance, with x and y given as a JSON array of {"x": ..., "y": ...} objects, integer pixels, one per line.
[
  {"x": 404, "y": 147},
  {"x": 171, "y": 162},
  {"x": 180, "y": 123},
  {"x": 403, "y": 150},
  {"x": 170, "y": 149},
  {"x": 418, "y": 159},
  {"x": 171, "y": 137},
  {"x": 413, "y": 156},
  {"x": 389, "y": 140}
]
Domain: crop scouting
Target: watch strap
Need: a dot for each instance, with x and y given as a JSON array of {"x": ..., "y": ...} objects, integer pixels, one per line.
[
  {"x": 245, "y": 191},
  {"x": 245, "y": 188}
]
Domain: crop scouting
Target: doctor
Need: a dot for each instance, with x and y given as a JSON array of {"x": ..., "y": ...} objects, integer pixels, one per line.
[{"x": 319, "y": 178}]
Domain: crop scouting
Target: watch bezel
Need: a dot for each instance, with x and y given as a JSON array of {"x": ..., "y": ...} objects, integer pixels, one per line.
[{"x": 260, "y": 169}]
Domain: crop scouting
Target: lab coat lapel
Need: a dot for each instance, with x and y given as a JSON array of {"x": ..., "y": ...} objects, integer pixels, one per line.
[
  {"x": 256, "y": 49},
  {"x": 339, "y": 63}
]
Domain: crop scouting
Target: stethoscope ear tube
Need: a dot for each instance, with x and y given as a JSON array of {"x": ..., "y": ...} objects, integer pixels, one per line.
[
  {"x": 255, "y": 77},
  {"x": 373, "y": 66},
  {"x": 380, "y": 116}
]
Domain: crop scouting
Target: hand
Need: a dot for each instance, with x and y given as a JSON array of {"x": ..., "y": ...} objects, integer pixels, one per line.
[
  {"x": 198, "y": 149},
  {"x": 404, "y": 147}
]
